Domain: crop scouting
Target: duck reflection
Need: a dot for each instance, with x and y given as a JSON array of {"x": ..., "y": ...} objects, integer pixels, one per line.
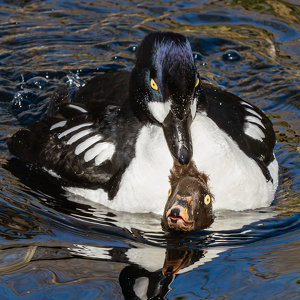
[
  {"x": 139, "y": 283},
  {"x": 177, "y": 259}
]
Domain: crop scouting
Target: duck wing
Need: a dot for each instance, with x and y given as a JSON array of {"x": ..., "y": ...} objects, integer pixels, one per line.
[
  {"x": 87, "y": 146},
  {"x": 248, "y": 126}
]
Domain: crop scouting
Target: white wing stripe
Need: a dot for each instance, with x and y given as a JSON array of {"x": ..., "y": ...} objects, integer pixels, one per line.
[
  {"x": 78, "y": 136},
  {"x": 93, "y": 152},
  {"x": 73, "y": 129},
  {"x": 102, "y": 152},
  {"x": 255, "y": 120},
  {"x": 254, "y": 131},
  {"x": 58, "y": 124},
  {"x": 78, "y": 108},
  {"x": 246, "y": 104},
  {"x": 105, "y": 154},
  {"x": 253, "y": 112},
  {"x": 87, "y": 143}
]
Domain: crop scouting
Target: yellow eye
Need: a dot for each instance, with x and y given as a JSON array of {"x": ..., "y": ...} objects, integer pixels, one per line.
[
  {"x": 207, "y": 199},
  {"x": 153, "y": 84},
  {"x": 197, "y": 82},
  {"x": 169, "y": 192}
]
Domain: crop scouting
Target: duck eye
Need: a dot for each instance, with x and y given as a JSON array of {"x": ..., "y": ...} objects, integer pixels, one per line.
[
  {"x": 169, "y": 192},
  {"x": 207, "y": 199},
  {"x": 197, "y": 82},
  {"x": 153, "y": 84}
]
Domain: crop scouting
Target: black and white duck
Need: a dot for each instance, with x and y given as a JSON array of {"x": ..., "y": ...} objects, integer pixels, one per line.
[{"x": 115, "y": 142}]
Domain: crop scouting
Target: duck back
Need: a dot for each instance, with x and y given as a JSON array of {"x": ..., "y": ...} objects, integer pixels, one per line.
[{"x": 112, "y": 86}]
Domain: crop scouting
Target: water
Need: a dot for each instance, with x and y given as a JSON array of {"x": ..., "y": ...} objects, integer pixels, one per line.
[{"x": 59, "y": 246}]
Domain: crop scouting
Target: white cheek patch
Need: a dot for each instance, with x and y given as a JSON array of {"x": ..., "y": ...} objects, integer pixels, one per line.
[
  {"x": 255, "y": 120},
  {"x": 78, "y": 136},
  {"x": 159, "y": 110},
  {"x": 58, "y": 125},
  {"x": 73, "y": 129},
  {"x": 78, "y": 108},
  {"x": 194, "y": 107},
  {"x": 87, "y": 143},
  {"x": 101, "y": 151},
  {"x": 253, "y": 112},
  {"x": 254, "y": 131}
]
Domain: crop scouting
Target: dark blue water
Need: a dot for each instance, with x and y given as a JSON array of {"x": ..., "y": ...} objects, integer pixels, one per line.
[{"x": 59, "y": 246}]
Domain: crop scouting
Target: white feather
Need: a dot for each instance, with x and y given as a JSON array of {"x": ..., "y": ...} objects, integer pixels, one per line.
[
  {"x": 106, "y": 153},
  {"x": 72, "y": 129},
  {"x": 101, "y": 151},
  {"x": 78, "y": 108},
  {"x": 93, "y": 152},
  {"x": 255, "y": 120},
  {"x": 52, "y": 173},
  {"x": 246, "y": 104},
  {"x": 87, "y": 143},
  {"x": 58, "y": 124},
  {"x": 78, "y": 136},
  {"x": 253, "y": 112},
  {"x": 254, "y": 131}
]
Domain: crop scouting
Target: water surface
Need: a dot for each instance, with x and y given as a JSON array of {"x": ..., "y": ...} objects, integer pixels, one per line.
[{"x": 59, "y": 246}]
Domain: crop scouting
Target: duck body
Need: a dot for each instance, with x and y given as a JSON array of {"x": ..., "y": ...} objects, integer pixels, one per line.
[{"x": 116, "y": 141}]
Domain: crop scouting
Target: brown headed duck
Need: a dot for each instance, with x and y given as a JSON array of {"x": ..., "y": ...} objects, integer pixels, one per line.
[{"x": 189, "y": 204}]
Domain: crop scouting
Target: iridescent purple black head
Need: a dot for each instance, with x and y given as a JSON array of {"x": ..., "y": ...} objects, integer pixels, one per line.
[
  {"x": 189, "y": 204},
  {"x": 164, "y": 86}
]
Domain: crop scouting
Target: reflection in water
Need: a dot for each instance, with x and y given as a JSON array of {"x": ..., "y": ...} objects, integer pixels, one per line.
[
  {"x": 64, "y": 267},
  {"x": 149, "y": 272},
  {"x": 15, "y": 225}
]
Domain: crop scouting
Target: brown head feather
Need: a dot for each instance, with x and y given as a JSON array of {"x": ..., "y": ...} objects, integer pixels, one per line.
[{"x": 178, "y": 171}]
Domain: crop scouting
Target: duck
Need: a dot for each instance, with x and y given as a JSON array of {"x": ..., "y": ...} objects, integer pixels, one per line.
[
  {"x": 189, "y": 204},
  {"x": 115, "y": 141}
]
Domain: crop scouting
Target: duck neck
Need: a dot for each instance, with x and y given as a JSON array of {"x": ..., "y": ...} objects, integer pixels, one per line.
[{"x": 137, "y": 97}]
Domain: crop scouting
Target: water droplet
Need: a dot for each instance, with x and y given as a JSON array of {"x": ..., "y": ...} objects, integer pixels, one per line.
[
  {"x": 39, "y": 82},
  {"x": 231, "y": 55},
  {"x": 22, "y": 99},
  {"x": 132, "y": 48},
  {"x": 197, "y": 56}
]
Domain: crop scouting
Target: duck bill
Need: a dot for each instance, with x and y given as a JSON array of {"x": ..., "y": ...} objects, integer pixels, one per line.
[
  {"x": 178, "y": 136},
  {"x": 180, "y": 216}
]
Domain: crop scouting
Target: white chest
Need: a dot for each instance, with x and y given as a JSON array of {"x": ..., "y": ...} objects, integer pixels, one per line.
[{"x": 145, "y": 184}]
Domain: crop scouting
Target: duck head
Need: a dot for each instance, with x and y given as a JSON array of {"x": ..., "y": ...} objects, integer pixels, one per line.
[
  {"x": 189, "y": 204},
  {"x": 164, "y": 88}
]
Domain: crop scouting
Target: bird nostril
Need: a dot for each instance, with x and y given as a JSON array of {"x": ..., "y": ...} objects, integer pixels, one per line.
[{"x": 175, "y": 212}]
